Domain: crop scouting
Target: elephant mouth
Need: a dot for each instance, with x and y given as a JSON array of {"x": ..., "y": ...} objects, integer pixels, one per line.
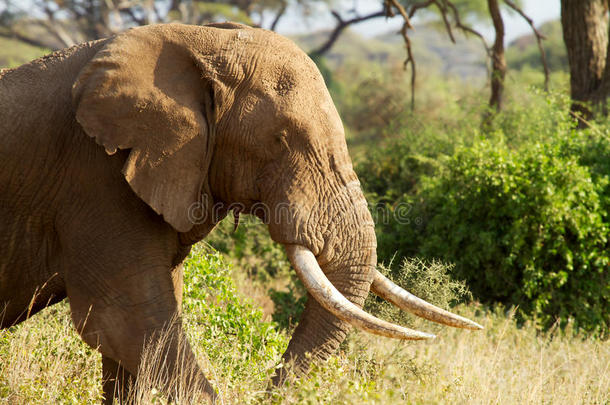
[{"x": 323, "y": 291}]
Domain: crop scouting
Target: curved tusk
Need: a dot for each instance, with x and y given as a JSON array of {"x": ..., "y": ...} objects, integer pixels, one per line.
[
  {"x": 310, "y": 273},
  {"x": 389, "y": 291}
]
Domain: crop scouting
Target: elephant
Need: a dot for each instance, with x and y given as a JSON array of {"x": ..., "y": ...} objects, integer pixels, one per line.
[{"x": 119, "y": 154}]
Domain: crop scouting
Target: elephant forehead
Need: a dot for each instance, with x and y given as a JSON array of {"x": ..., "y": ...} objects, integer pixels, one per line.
[
  {"x": 281, "y": 82},
  {"x": 283, "y": 72}
]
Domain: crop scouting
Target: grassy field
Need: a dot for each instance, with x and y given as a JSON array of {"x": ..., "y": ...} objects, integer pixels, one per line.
[{"x": 43, "y": 361}]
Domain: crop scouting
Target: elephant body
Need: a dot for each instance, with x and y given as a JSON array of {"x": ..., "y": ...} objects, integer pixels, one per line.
[
  {"x": 119, "y": 154},
  {"x": 71, "y": 225},
  {"x": 75, "y": 224},
  {"x": 40, "y": 146}
]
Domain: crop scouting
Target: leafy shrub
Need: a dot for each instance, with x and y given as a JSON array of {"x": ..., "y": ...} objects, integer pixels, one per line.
[
  {"x": 252, "y": 250},
  {"x": 289, "y": 305},
  {"x": 429, "y": 280},
  {"x": 250, "y": 247},
  {"x": 592, "y": 148},
  {"x": 521, "y": 207},
  {"x": 526, "y": 227},
  {"x": 212, "y": 301},
  {"x": 394, "y": 171}
]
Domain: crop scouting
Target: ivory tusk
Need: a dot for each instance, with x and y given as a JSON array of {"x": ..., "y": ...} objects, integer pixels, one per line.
[
  {"x": 312, "y": 276},
  {"x": 389, "y": 291}
]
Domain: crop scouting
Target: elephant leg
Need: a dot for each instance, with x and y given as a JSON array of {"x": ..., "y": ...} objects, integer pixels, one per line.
[
  {"x": 319, "y": 333},
  {"x": 126, "y": 310},
  {"x": 115, "y": 381}
]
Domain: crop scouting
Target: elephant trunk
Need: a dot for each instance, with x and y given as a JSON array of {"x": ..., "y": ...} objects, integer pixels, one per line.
[
  {"x": 325, "y": 293},
  {"x": 344, "y": 271},
  {"x": 338, "y": 276}
]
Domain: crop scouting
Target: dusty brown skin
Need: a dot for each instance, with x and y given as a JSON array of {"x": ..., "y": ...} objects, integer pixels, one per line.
[
  {"x": 115, "y": 156},
  {"x": 228, "y": 113}
]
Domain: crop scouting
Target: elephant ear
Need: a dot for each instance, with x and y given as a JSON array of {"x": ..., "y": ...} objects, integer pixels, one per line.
[{"x": 147, "y": 93}]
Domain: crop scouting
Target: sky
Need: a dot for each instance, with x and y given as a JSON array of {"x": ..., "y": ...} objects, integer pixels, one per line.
[{"x": 515, "y": 26}]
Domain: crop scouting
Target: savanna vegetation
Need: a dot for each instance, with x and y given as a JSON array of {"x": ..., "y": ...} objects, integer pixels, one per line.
[{"x": 503, "y": 216}]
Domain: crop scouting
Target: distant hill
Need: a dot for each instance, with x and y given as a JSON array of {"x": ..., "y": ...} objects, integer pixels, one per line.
[
  {"x": 351, "y": 47},
  {"x": 432, "y": 49},
  {"x": 523, "y": 51}
]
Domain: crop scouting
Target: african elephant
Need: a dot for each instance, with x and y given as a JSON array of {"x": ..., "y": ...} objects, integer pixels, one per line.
[{"x": 117, "y": 155}]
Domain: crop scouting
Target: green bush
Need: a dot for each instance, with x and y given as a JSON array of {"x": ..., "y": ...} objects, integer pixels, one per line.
[
  {"x": 527, "y": 227},
  {"x": 289, "y": 305},
  {"x": 250, "y": 247},
  {"x": 524, "y": 227},
  {"x": 431, "y": 280},
  {"x": 521, "y": 207},
  {"x": 211, "y": 300}
]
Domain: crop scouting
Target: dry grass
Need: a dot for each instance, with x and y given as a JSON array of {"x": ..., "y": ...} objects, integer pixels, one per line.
[
  {"x": 43, "y": 361},
  {"x": 501, "y": 365}
]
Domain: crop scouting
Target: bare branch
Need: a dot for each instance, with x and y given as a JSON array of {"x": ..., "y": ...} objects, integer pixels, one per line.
[
  {"x": 417, "y": 6},
  {"x": 132, "y": 15},
  {"x": 278, "y": 15},
  {"x": 539, "y": 38},
  {"x": 446, "y": 9},
  {"x": 443, "y": 9},
  {"x": 390, "y": 12},
  {"x": 54, "y": 28},
  {"x": 498, "y": 61},
  {"x": 410, "y": 59},
  {"x": 342, "y": 25},
  {"x": 466, "y": 29}
]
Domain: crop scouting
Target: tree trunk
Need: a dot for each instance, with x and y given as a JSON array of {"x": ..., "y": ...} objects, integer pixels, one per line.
[
  {"x": 603, "y": 91},
  {"x": 498, "y": 71},
  {"x": 585, "y": 33}
]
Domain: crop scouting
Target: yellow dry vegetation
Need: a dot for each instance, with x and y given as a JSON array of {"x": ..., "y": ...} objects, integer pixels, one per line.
[{"x": 43, "y": 361}]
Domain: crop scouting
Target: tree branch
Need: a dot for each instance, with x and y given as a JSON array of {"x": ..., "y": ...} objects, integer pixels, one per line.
[
  {"x": 390, "y": 12},
  {"x": 278, "y": 15},
  {"x": 389, "y": 6},
  {"x": 410, "y": 60},
  {"x": 129, "y": 12},
  {"x": 539, "y": 38},
  {"x": 469, "y": 30},
  {"x": 55, "y": 28},
  {"x": 466, "y": 29},
  {"x": 341, "y": 25},
  {"x": 443, "y": 9},
  {"x": 417, "y": 6}
]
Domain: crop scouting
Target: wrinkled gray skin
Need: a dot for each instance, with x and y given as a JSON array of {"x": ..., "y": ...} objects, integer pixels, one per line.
[{"x": 106, "y": 148}]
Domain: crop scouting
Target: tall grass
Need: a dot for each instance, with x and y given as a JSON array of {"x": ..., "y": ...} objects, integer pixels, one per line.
[
  {"x": 44, "y": 361},
  {"x": 501, "y": 365}
]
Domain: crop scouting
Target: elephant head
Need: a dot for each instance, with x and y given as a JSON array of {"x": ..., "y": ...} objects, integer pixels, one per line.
[{"x": 225, "y": 115}]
